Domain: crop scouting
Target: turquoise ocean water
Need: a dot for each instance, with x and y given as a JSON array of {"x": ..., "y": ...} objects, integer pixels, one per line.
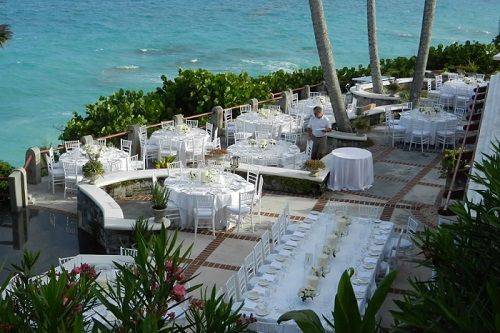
[{"x": 65, "y": 53}]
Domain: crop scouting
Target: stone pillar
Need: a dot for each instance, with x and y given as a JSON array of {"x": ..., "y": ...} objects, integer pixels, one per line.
[
  {"x": 133, "y": 135},
  {"x": 255, "y": 104},
  {"x": 34, "y": 168},
  {"x": 306, "y": 92},
  {"x": 286, "y": 100},
  {"x": 178, "y": 119},
  {"x": 18, "y": 190},
  {"x": 218, "y": 118},
  {"x": 87, "y": 140}
]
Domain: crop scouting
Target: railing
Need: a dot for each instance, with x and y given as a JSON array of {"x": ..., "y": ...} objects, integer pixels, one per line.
[{"x": 464, "y": 142}]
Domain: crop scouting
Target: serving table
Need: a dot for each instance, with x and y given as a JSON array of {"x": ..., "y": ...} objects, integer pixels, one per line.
[{"x": 350, "y": 168}]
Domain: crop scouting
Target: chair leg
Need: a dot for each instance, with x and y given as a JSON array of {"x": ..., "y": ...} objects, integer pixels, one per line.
[{"x": 195, "y": 227}]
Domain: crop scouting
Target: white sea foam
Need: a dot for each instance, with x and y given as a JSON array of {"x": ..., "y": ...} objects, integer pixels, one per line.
[
  {"x": 193, "y": 60},
  {"x": 404, "y": 34},
  {"x": 148, "y": 50},
  {"x": 127, "y": 67},
  {"x": 273, "y": 65}
]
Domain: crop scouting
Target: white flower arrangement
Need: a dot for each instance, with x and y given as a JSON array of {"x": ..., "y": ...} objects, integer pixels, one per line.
[
  {"x": 319, "y": 271},
  {"x": 264, "y": 113},
  {"x": 272, "y": 142},
  {"x": 307, "y": 292},
  {"x": 92, "y": 151},
  {"x": 208, "y": 176},
  {"x": 252, "y": 142},
  {"x": 329, "y": 251},
  {"x": 183, "y": 128},
  {"x": 170, "y": 128},
  {"x": 263, "y": 144}
]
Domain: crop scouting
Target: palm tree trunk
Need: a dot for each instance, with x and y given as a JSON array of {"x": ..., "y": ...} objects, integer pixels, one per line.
[
  {"x": 423, "y": 51},
  {"x": 325, "y": 53},
  {"x": 372, "y": 46}
]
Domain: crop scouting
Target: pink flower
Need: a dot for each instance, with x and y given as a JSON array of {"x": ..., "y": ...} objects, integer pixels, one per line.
[
  {"x": 169, "y": 265},
  {"x": 178, "y": 292}
]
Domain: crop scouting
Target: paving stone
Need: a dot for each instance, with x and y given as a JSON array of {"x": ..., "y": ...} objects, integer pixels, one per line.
[
  {"x": 434, "y": 176},
  {"x": 298, "y": 205},
  {"x": 231, "y": 251},
  {"x": 199, "y": 245},
  {"x": 209, "y": 277},
  {"x": 395, "y": 170},
  {"x": 423, "y": 194},
  {"x": 337, "y": 195},
  {"x": 412, "y": 157},
  {"x": 385, "y": 188},
  {"x": 400, "y": 217}
]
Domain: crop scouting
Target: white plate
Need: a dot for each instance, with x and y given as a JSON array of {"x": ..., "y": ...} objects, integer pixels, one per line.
[
  {"x": 263, "y": 283},
  {"x": 271, "y": 270},
  {"x": 369, "y": 266},
  {"x": 295, "y": 238},
  {"x": 261, "y": 312},
  {"x": 359, "y": 282},
  {"x": 280, "y": 258},
  {"x": 253, "y": 296}
]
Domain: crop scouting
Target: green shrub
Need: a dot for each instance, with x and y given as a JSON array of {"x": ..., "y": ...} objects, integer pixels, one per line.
[{"x": 5, "y": 170}]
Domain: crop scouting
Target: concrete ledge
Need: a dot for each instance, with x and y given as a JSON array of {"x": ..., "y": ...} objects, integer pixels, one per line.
[{"x": 360, "y": 92}]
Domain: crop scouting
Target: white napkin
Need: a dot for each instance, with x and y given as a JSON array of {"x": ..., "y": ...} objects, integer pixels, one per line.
[
  {"x": 285, "y": 253},
  {"x": 291, "y": 243},
  {"x": 276, "y": 265},
  {"x": 298, "y": 234},
  {"x": 312, "y": 217},
  {"x": 369, "y": 260},
  {"x": 258, "y": 289},
  {"x": 305, "y": 226},
  {"x": 268, "y": 277}
]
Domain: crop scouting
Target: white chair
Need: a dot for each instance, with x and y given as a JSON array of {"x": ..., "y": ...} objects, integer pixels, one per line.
[
  {"x": 166, "y": 148},
  {"x": 241, "y": 284},
  {"x": 126, "y": 146},
  {"x": 397, "y": 133},
  {"x": 263, "y": 135},
  {"x": 453, "y": 76},
  {"x": 192, "y": 123},
  {"x": 143, "y": 131},
  {"x": 266, "y": 244},
  {"x": 439, "y": 82},
  {"x": 447, "y": 135},
  {"x": 290, "y": 137},
  {"x": 273, "y": 107},
  {"x": 244, "y": 208},
  {"x": 410, "y": 231},
  {"x": 249, "y": 264},
  {"x": 229, "y": 125},
  {"x": 71, "y": 178},
  {"x": 313, "y": 94},
  {"x": 101, "y": 142},
  {"x": 275, "y": 234},
  {"x": 230, "y": 294},
  {"x": 253, "y": 176},
  {"x": 240, "y": 136},
  {"x": 56, "y": 174},
  {"x": 245, "y": 108},
  {"x": 112, "y": 166},
  {"x": 70, "y": 145},
  {"x": 195, "y": 151},
  {"x": 64, "y": 260},
  {"x": 295, "y": 99},
  {"x": 204, "y": 211},
  {"x": 258, "y": 196},
  {"x": 480, "y": 77},
  {"x": 419, "y": 136},
  {"x": 258, "y": 255},
  {"x": 167, "y": 124},
  {"x": 149, "y": 150},
  {"x": 136, "y": 163},
  {"x": 125, "y": 251},
  {"x": 430, "y": 92},
  {"x": 175, "y": 165},
  {"x": 209, "y": 128}
]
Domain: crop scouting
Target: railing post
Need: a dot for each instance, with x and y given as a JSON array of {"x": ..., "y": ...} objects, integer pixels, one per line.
[
  {"x": 34, "y": 167},
  {"x": 133, "y": 135},
  {"x": 305, "y": 93},
  {"x": 178, "y": 119},
  {"x": 255, "y": 104},
  {"x": 286, "y": 100},
  {"x": 18, "y": 190},
  {"x": 87, "y": 140},
  {"x": 218, "y": 118}
]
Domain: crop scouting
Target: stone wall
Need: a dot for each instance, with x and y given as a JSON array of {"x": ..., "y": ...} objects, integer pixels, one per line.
[
  {"x": 130, "y": 188},
  {"x": 91, "y": 220}
]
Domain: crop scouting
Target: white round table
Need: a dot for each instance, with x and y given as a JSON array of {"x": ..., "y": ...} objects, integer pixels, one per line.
[
  {"x": 226, "y": 188},
  {"x": 460, "y": 87},
  {"x": 350, "y": 168},
  {"x": 432, "y": 122},
  {"x": 108, "y": 157},
  {"x": 265, "y": 152},
  {"x": 179, "y": 137},
  {"x": 265, "y": 120}
]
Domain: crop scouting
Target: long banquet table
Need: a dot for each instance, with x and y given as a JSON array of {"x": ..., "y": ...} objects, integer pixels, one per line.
[{"x": 363, "y": 248}]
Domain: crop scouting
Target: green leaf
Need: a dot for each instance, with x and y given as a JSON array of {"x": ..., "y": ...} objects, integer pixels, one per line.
[{"x": 307, "y": 320}]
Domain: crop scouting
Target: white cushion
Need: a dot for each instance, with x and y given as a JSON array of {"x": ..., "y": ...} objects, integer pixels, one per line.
[{"x": 203, "y": 212}]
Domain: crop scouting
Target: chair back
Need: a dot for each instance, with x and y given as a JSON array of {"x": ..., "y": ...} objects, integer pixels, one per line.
[
  {"x": 124, "y": 251},
  {"x": 439, "y": 82},
  {"x": 249, "y": 264},
  {"x": 275, "y": 234},
  {"x": 246, "y": 198},
  {"x": 101, "y": 142},
  {"x": 126, "y": 146},
  {"x": 167, "y": 123},
  {"x": 314, "y": 94},
  {"x": 266, "y": 244},
  {"x": 290, "y": 137},
  {"x": 205, "y": 201},
  {"x": 64, "y": 260},
  {"x": 412, "y": 226},
  {"x": 241, "y": 283},
  {"x": 228, "y": 116},
  {"x": 209, "y": 127},
  {"x": 258, "y": 255},
  {"x": 230, "y": 293},
  {"x": 192, "y": 123},
  {"x": 70, "y": 145},
  {"x": 263, "y": 135},
  {"x": 309, "y": 148},
  {"x": 429, "y": 85},
  {"x": 253, "y": 176},
  {"x": 245, "y": 108},
  {"x": 70, "y": 169},
  {"x": 240, "y": 136}
]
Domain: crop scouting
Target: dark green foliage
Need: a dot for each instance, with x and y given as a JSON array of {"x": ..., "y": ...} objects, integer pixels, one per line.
[
  {"x": 346, "y": 315},
  {"x": 463, "y": 295},
  {"x": 5, "y": 170},
  {"x": 197, "y": 91}
]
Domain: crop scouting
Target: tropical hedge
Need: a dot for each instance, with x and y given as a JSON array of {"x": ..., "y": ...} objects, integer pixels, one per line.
[
  {"x": 5, "y": 170},
  {"x": 194, "y": 92}
]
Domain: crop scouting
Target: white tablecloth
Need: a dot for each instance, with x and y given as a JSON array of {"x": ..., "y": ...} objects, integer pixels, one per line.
[
  {"x": 460, "y": 87},
  {"x": 350, "y": 168},
  {"x": 226, "y": 189},
  {"x": 365, "y": 244},
  {"x": 429, "y": 122},
  {"x": 258, "y": 121},
  {"x": 281, "y": 153},
  {"x": 179, "y": 138},
  {"x": 108, "y": 155}
]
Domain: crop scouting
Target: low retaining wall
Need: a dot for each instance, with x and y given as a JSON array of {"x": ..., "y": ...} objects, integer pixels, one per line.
[{"x": 365, "y": 97}]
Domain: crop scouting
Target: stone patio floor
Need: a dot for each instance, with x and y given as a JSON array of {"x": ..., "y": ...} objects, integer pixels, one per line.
[{"x": 406, "y": 182}]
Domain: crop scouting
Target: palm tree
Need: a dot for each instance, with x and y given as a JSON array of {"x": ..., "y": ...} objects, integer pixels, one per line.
[
  {"x": 423, "y": 50},
  {"x": 5, "y": 34},
  {"x": 372, "y": 46},
  {"x": 325, "y": 53}
]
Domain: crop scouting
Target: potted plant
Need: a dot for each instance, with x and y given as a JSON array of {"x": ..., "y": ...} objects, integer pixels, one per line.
[
  {"x": 92, "y": 170},
  {"x": 165, "y": 162},
  {"x": 159, "y": 200},
  {"x": 314, "y": 167},
  {"x": 361, "y": 124},
  {"x": 448, "y": 165}
]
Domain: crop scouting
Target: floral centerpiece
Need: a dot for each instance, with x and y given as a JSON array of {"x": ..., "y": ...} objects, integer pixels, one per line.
[
  {"x": 314, "y": 167},
  {"x": 264, "y": 113},
  {"x": 263, "y": 144},
  {"x": 208, "y": 176},
  {"x": 329, "y": 251},
  {"x": 319, "y": 271},
  {"x": 93, "y": 169},
  {"x": 252, "y": 142},
  {"x": 272, "y": 142},
  {"x": 183, "y": 128},
  {"x": 193, "y": 175},
  {"x": 307, "y": 292}
]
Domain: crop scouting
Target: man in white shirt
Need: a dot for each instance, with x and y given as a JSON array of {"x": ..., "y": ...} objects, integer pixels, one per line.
[{"x": 317, "y": 128}]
